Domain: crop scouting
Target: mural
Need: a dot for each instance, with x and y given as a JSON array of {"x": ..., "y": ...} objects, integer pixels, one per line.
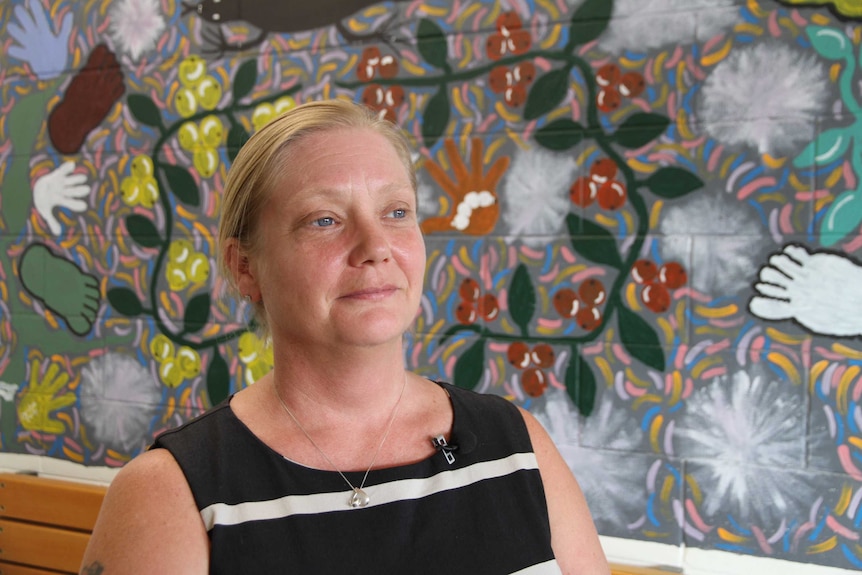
[{"x": 643, "y": 221}]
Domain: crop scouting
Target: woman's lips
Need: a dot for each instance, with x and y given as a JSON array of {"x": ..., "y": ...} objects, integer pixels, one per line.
[{"x": 371, "y": 293}]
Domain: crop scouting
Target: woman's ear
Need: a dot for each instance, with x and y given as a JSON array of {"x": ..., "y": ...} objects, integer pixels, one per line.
[{"x": 241, "y": 270}]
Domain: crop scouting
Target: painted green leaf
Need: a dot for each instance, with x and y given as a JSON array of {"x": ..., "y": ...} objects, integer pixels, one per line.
[
  {"x": 830, "y": 43},
  {"x": 432, "y": 44},
  {"x": 125, "y": 301},
  {"x": 144, "y": 110},
  {"x": 470, "y": 366},
  {"x": 640, "y": 129},
  {"x": 436, "y": 117},
  {"x": 825, "y": 149},
  {"x": 640, "y": 339},
  {"x": 218, "y": 379},
  {"x": 593, "y": 242},
  {"x": 236, "y": 139},
  {"x": 197, "y": 312},
  {"x": 522, "y": 299},
  {"x": 547, "y": 93},
  {"x": 182, "y": 184},
  {"x": 672, "y": 182},
  {"x": 143, "y": 231},
  {"x": 244, "y": 80},
  {"x": 560, "y": 134},
  {"x": 581, "y": 384},
  {"x": 843, "y": 216},
  {"x": 589, "y": 21}
]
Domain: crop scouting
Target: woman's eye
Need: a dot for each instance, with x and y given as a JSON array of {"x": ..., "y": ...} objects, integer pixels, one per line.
[
  {"x": 323, "y": 222},
  {"x": 399, "y": 213}
]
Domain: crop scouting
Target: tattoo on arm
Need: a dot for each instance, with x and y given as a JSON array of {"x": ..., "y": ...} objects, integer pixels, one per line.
[{"x": 94, "y": 568}]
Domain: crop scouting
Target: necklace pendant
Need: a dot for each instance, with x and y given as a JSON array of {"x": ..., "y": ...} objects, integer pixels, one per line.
[{"x": 359, "y": 498}]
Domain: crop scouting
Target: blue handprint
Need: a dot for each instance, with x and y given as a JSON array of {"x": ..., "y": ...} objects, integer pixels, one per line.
[{"x": 36, "y": 42}]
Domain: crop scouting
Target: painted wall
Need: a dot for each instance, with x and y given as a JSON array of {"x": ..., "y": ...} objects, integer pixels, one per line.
[{"x": 642, "y": 220}]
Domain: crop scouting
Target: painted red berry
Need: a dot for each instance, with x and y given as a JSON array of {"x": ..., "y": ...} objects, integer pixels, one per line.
[
  {"x": 611, "y": 195},
  {"x": 368, "y": 64},
  {"x": 655, "y": 297},
  {"x": 603, "y": 170},
  {"x": 631, "y": 84},
  {"x": 672, "y": 275},
  {"x": 508, "y": 21},
  {"x": 588, "y": 318},
  {"x": 466, "y": 313},
  {"x": 516, "y": 95},
  {"x": 499, "y": 79},
  {"x": 519, "y": 41},
  {"x": 592, "y": 292},
  {"x": 583, "y": 192},
  {"x": 534, "y": 382},
  {"x": 644, "y": 271},
  {"x": 519, "y": 354},
  {"x": 542, "y": 355},
  {"x": 489, "y": 307},
  {"x": 523, "y": 73},
  {"x": 469, "y": 289},
  {"x": 608, "y": 99},
  {"x": 566, "y": 302},
  {"x": 608, "y": 75}
]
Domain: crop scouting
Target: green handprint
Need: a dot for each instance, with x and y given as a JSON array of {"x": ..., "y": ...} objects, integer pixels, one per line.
[{"x": 35, "y": 410}]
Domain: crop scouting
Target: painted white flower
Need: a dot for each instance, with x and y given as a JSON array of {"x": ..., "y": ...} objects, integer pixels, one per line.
[
  {"x": 648, "y": 24},
  {"x": 610, "y": 475},
  {"x": 718, "y": 239},
  {"x": 745, "y": 436},
  {"x": 771, "y": 92},
  {"x": 535, "y": 194},
  {"x": 118, "y": 399},
  {"x": 135, "y": 25}
]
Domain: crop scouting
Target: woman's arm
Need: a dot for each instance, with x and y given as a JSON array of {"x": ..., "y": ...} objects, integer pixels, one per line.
[
  {"x": 148, "y": 523},
  {"x": 573, "y": 534}
]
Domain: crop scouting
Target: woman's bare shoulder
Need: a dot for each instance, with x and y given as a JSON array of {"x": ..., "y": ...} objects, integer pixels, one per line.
[{"x": 149, "y": 521}]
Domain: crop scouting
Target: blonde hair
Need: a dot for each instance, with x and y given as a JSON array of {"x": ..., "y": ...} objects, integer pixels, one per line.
[{"x": 264, "y": 159}]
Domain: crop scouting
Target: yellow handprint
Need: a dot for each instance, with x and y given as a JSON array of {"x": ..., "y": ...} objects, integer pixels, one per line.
[{"x": 39, "y": 402}]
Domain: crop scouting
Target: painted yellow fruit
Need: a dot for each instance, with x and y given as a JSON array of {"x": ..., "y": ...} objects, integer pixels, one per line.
[
  {"x": 284, "y": 104},
  {"x": 206, "y": 161},
  {"x": 208, "y": 93},
  {"x": 186, "y": 102},
  {"x": 212, "y": 131},
  {"x": 176, "y": 276},
  {"x": 130, "y": 191},
  {"x": 180, "y": 251},
  {"x": 149, "y": 191},
  {"x": 188, "y": 361},
  {"x": 249, "y": 347},
  {"x": 142, "y": 166},
  {"x": 189, "y": 136},
  {"x": 192, "y": 70},
  {"x": 170, "y": 373},
  {"x": 256, "y": 370},
  {"x": 262, "y": 115},
  {"x": 161, "y": 348},
  {"x": 198, "y": 268}
]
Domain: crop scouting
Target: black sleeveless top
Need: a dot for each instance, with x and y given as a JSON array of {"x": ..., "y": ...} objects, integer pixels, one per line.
[{"x": 484, "y": 512}]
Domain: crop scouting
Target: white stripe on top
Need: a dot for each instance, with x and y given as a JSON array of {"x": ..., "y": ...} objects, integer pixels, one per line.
[
  {"x": 547, "y": 568},
  {"x": 400, "y": 490}
]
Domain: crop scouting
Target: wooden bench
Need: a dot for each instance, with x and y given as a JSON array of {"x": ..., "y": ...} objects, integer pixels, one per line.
[{"x": 45, "y": 525}]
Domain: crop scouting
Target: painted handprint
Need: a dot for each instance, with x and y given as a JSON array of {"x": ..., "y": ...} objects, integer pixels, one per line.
[
  {"x": 818, "y": 290},
  {"x": 61, "y": 188},
  {"x": 40, "y": 399},
  {"x": 90, "y": 96},
  {"x": 36, "y": 42},
  {"x": 474, "y": 209}
]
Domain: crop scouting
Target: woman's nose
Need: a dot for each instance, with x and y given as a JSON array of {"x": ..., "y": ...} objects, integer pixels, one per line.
[{"x": 371, "y": 244}]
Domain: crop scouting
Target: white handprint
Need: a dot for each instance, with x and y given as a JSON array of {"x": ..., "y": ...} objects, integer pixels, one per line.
[
  {"x": 822, "y": 291},
  {"x": 60, "y": 189}
]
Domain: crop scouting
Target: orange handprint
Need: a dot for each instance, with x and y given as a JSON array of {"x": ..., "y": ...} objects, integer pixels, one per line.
[{"x": 474, "y": 208}]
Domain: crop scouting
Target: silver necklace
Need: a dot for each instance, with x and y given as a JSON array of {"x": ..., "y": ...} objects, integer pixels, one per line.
[{"x": 358, "y": 497}]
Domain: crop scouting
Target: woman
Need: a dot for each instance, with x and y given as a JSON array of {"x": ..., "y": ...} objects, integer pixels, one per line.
[{"x": 340, "y": 460}]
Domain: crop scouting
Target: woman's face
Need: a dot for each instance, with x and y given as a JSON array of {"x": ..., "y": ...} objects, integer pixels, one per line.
[{"x": 341, "y": 259}]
